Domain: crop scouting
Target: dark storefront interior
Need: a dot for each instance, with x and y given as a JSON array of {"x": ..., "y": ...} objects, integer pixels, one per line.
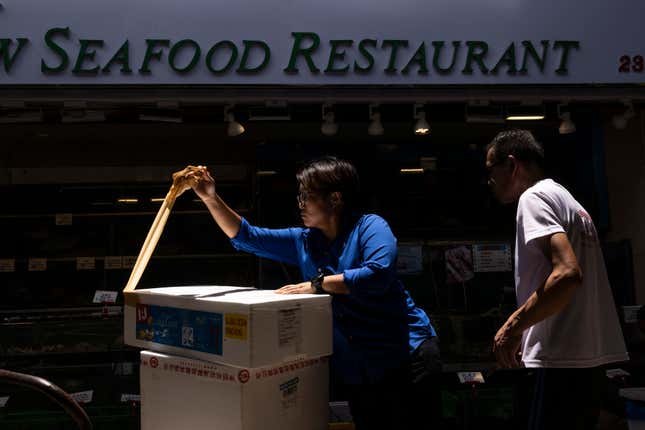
[{"x": 109, "y": 175}]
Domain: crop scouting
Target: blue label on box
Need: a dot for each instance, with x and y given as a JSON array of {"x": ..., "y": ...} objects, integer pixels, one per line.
[{"x": 183, "y": 328}]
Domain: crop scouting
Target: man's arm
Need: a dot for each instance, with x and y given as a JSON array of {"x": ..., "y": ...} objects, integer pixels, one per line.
[{"x": 551, "y": 298}]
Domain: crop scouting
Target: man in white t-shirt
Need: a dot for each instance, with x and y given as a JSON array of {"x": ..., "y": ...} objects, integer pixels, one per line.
[{"x": 566, "y": 324}]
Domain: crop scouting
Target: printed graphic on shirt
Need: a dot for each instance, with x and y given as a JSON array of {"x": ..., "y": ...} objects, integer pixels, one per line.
[{"x": 588, "y": 229}]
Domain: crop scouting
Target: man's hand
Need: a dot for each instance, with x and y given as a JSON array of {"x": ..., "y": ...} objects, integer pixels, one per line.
[
  {"x": 506, "y": 347},
  {"x": 301, "y": 288}
]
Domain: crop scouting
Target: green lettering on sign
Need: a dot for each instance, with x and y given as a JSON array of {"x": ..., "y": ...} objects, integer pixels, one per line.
[
  {"x": 438, "y": 47},
  {"x": 151, "y": 53},
  {"x": 362, "y": 49},
  {"x": 394, "y": 44},
  {"x": 297, "y": 50},
  {"x": 566, "y": 45},
  {"x": 176, "y": 48},
  {"x": 477, "y": 51},
  {"x": 122, "y": 57},
  {"x": 211, "y": 53},
  {"x": 419, "y": 58},
  {"x": 507, "y": 59},
  {"x": 7, "y": 57},
  {"x": 337, "y": 54},
  {"x": 84, "y": 53},
  {"x": 60, "y": 52},
  {"x": 530, "y": 51},
  {"x": 248, "y": 46}
]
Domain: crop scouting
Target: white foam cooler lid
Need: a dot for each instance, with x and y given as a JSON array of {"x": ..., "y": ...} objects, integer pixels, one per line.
[{"x": 230, "y": 294}]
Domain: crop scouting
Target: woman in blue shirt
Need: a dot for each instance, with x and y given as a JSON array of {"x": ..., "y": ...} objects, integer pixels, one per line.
[{"x": 353, "y": 258}]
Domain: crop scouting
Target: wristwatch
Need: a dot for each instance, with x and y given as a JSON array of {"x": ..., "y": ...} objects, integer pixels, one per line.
[{"x": 317, "y": 282}]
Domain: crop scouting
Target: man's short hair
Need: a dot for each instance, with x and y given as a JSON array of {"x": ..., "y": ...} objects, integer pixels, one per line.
[{"x": 521, "y": 144}]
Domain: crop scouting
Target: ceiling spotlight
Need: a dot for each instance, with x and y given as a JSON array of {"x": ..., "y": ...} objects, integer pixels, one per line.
[
  {"x": 376, "y": 127},
  {"x": 234, "y": 128},
  {"x": 329, "y": 126},
  {"x": 567, "y": 126},
  {"x": 620, "y": 120},
  {"x": 421, "y": 127}
]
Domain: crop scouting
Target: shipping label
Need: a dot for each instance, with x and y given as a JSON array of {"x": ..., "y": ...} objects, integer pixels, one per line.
[
  {"x": 289, "y": 327},
  {"x": 236, "y": 326}
]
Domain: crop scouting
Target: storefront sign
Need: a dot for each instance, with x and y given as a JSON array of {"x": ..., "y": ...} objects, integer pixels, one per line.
[{"x": 306, "y": 42}]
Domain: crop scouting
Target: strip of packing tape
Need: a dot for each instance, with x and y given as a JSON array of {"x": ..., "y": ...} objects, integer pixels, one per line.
[{"x": 180, "y": 183}]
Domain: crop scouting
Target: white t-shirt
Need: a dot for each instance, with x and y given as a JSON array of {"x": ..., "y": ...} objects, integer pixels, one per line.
[{"x": 586, "y": 333}]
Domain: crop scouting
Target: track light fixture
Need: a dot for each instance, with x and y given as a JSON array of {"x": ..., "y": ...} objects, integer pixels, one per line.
[
  {"x": 234, "y": 128},
  {"x": 567, "y": 126},
  {"x": 620, "y": 120},
  {"x": 329, "y": 126},
  {"x": 375, "y": 128},
  {"x": 421, "y": 127}
]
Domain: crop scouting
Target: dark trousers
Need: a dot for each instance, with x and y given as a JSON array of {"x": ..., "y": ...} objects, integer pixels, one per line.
[
  {"x": 382, "y": 405},
  {"x": 562, "y": 398},
  {"x": 425, "y": 392}
]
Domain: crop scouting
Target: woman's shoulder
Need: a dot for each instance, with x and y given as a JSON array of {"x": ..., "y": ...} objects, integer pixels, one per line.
[{"x": 371, "y": 220}]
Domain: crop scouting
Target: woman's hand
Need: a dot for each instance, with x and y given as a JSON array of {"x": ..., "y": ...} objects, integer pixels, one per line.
[
  {"x": 204, "y": 184},
  {"x": 301, "y": 288}
]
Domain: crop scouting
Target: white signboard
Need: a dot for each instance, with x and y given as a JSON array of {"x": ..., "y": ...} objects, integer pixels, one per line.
[
  {"x": 335, "y": 42},
  {"x": 409, "y": 259},
  {"x": 85, "y": 263},
  {"x": 64, "y": 219},
  {"x": 125, "y": 398},
  {"x": 470, "y": 377},
  {"x": 37, "y": 264},
  {"x": 83, "y": 396},
  {"x": 8, "y": 265},
  {"x": 105, "y": 296},
  {"x": 3, "y": 401},
  {"x": 492, "y": 258},
  {"x": 128, "y": 261},
  {"x": 113, "y": 262}
]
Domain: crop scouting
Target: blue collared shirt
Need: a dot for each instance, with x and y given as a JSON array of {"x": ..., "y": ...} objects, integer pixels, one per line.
[{"x": 377, "y": 324}]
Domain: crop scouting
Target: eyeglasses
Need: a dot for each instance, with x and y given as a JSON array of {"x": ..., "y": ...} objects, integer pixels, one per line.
[
  {"x": 489, "y": 168},
  {"x": 303, "y": 196}
]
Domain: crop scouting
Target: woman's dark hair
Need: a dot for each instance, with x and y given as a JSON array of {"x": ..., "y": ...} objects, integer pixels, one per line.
[
  {"x": 329, "y": 174},
  {"x": 520, "y": 144}
]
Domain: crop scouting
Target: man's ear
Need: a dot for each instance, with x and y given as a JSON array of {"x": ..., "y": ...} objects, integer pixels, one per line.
[{"x": 335, "y": 198}]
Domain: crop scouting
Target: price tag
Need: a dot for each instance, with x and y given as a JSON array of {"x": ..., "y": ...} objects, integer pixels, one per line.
[
  {"x": 83, "y": 396},
  {"x": 113, "y": 262},
  {"x": 3, "y": 401},
  {"x": 85, "y": 263},
  {"x": 630, "y": 314},
  {"x": 616, "y": 373},
  {"x": 470, "y": 377},
  {"x": 37, "y": 264},
  {"x": 8, "y": 265},
  {"x": 63, "y": 219},
  {"x": 105, "y": 296},
  {"x": 128, "y": 261},
  {"x": 125, "y": 398}
]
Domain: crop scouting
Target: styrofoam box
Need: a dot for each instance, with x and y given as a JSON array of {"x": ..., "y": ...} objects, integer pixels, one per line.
[
  {"x": 238, "y": 326},
  {"x": 184, "y": 393}
]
